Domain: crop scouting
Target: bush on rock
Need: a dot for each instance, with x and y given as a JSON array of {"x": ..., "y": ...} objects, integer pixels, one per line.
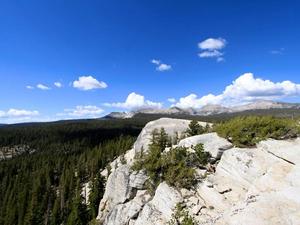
[
  {"x": 175, "y": 166},
  {"x": 249, "y": 130}
]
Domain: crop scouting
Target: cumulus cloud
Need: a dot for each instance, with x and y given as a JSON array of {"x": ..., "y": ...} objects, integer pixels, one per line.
[
  {"x": 161, "y": 66},
  {"x": 42, "y": 87},
  {"x": 86, "y": 83},
  {"x": 29, "y": 87},
  {"x": 57, "y": 84},
  {"x": 193, "y": 101},
  {"x": 18, "y": 115},
  {"x": 172, "y": 100},
  {"x": 11, "y": 113},
  {"x": 21, "y": 112},
  {"x": 135, "y": 101},
  {"x": 211, "y": 48},
  {"x": 212, "y": 44},
  {"x": 87, "y": 111},
  {"x": 245, "y": 88}
]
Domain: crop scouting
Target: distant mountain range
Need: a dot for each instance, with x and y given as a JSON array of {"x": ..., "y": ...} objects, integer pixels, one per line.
[{"x": 207, "y": 110}]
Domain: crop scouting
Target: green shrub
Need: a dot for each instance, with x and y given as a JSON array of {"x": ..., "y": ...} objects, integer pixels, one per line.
[
  {"x": 202, "y": 157},
  {"x": 151, "y": 162},
  {"x": 181, "y": 217},
  {"x": 195, "y": 128},
  {"x": 249, "y": 130},
  {"x": 175, "y": 169},
  {"x": 176, "y": 166}
]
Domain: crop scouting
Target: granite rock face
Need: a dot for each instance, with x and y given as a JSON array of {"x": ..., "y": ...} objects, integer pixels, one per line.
[
  {"x": 122, "y": 186},
  {"x": 160, "y": 209},
  {"x": 258, "y": 185},
  {"x": 212, "y": 143},
  {"x": 173, "y": 127}
]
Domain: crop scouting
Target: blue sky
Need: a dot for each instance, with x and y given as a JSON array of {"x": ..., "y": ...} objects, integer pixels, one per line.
[{"x": 147, "y": 50}]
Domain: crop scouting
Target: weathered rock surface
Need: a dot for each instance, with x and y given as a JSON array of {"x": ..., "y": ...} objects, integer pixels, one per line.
[
  {"x": 172, "y": 127},
  {"x": 123, "y": 213},
  {"x": 276, "y": 148},
  {"x": 211, "y": 141},
  {"x": 250, "y": 186},
  {"x": 121, "y": 186},
  {"x": 259, "y": 185},
  {"x": 159, "y": 210}
]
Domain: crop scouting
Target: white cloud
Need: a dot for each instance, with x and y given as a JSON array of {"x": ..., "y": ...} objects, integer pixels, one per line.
[
  {"x": 192, "y": 101},
  {"x": 172, "y": 100},
  {"x": 212, "y": 44},
  {"x": 135, "y": 101},
  {"x": 18, "y": 115},
  {"x": 155, "y": 61},
  {"x": 277, "y": 51},
  {"x": 245, "y": 88},
  {"x": 21, "y": 112},
  {"x": 57, "y": 84},
  {"x": 88, "y": 83},
  {"x": 2, "y": 114},
  {"x": 220, "y": 59},
  {"x": 42, "y": 87},
  {"x": 29, "y": 87},
  {"x": 161, "y": 66},
  {"x": 12, "y": 113},
  {"x": 210, "y": 54},
  {"x": 88, "y": 111},
  {"x": 211, "y": 48}
]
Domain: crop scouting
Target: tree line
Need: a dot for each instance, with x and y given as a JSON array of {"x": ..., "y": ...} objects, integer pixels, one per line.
[{"x": 45, "y": 187}]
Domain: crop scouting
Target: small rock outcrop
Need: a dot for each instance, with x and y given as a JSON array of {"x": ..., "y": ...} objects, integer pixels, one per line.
[
  {"x": 259, "y": 185},
  {"x": 8, "y": 152},
  {"x": 121, "y": 187},
  {"x": 214, "y": 144},
  {"x": 160, "y": 209},
  {"x": 173, "y": 127}
]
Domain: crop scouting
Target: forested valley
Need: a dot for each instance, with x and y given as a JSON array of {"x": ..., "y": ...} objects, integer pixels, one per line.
[{"x": 44, "y": 187}]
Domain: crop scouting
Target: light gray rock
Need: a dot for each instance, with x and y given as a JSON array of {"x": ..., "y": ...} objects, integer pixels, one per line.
[
  {"x": 238, "y": 169},
  {"x": 123, "y": 213},
  {"x": 213, "y": 144},
  {"x": 211, "y": 197},
  {"x": 127, "y": 158},
  {"x": 85, "y": 192},
  {"x": 171, "y": 126},
  {"x": 121, "y": 186},
  {"x": 268, "y": 209},
  {"x": 285, "y": 149},
  {"x": 160, "y": 209},
  {"x": 258, "y": 186}
]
